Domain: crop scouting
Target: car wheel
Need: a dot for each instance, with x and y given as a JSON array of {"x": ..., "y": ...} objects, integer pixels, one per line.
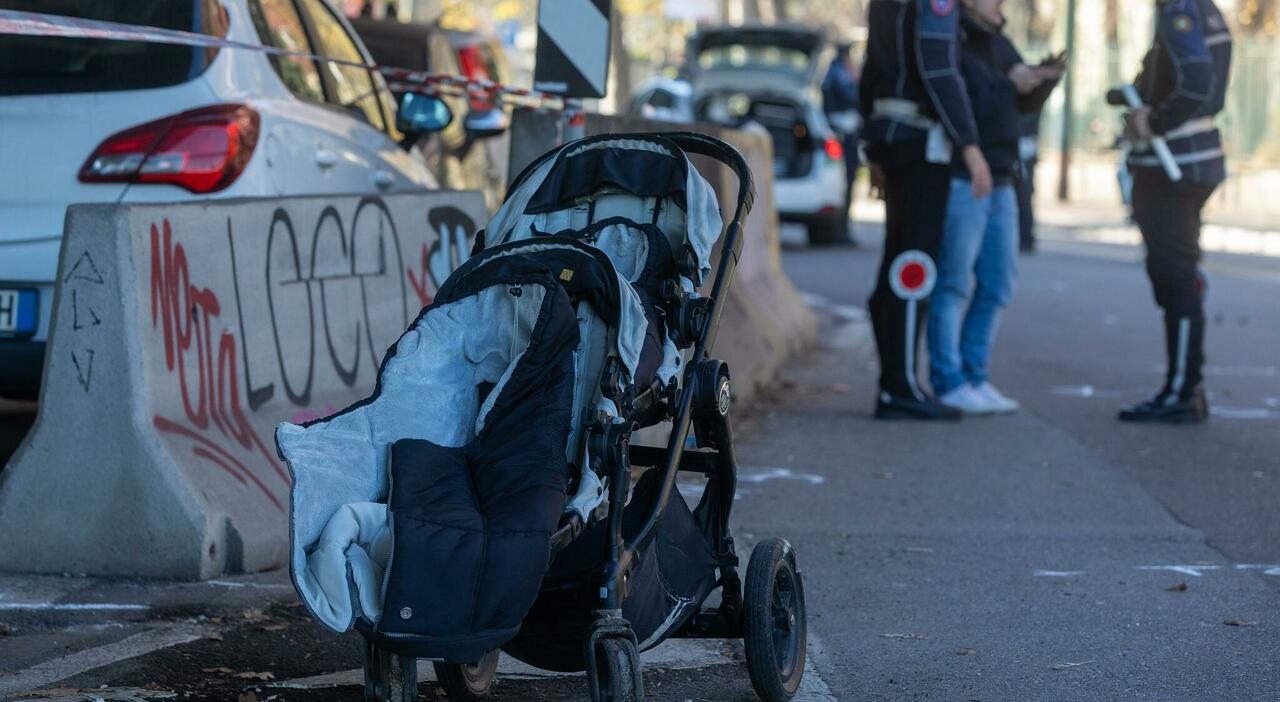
[{"x": 830, "y": 231}]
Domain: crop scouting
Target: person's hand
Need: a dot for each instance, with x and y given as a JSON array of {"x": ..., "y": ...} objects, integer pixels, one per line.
[
  {"x": 877, "y": 180},
  {"x": 1140, "y": 123},
  {"x": 1050, "y": 72},
  {"x": 1025, "y": 78},
  {"x": 979, "y": 172}
]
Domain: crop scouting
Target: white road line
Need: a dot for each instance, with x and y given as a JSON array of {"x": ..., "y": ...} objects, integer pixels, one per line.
[
  {"x": 62, "y": 668},
  {"x": 70, "y": 606},
  {"x": 1056, "y": 573}
]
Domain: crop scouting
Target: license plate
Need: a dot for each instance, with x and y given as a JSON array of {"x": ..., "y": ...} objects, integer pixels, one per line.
[{"x": 18, "y": 312}]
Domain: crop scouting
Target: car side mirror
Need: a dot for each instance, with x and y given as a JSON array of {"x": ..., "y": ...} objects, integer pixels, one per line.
[
  {"x": 485, "y": 125},
  {"x": 421, "y": 114}
]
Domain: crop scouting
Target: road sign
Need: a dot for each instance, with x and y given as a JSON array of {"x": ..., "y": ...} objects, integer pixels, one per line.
[
  {"x": 912, "y": 275},
  {"x": 573, "y": 47}
]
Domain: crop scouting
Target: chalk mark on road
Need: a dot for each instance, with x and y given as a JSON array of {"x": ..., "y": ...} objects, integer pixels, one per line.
[{"x": 760, "y": 475}]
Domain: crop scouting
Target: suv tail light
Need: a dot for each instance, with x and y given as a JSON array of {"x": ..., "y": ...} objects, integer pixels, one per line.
[
  {"x": 835, "y": 150},
  {"x": 203, "y": 150}
]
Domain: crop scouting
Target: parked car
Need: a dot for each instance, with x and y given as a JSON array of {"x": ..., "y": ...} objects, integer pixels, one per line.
[
  {"x": 771, "y": 76},
  {"x": 89, "y": 120},
  {"x": 472, "y": 153},
  {"x": 663, "y": 99}
]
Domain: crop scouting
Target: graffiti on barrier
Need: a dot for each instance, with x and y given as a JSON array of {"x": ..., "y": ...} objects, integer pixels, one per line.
[{"x": 315, "y": 305}]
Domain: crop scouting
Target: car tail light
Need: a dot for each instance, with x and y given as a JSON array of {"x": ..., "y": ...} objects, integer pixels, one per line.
[
  {"x": 203, "y": 150},
  {"x": 835, "y": 150},
  {"x": 471, "y": 61}
]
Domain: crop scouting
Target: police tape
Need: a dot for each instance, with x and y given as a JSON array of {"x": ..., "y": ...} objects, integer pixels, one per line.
[{"x": 35, "y": 24}]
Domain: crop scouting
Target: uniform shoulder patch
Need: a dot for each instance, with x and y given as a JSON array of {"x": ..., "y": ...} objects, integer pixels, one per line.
[
  {"x": 1183, "y": 24},
  {"x": 942, "y": 8}
]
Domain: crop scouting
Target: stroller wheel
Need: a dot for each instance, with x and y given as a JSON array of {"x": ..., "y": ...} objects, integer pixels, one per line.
[
  {"x": 467, "y": 683},
  {"x": 389, "y": 677},
  {"x": 774, "y": 628},
  {"x": 618, "y": 672}
]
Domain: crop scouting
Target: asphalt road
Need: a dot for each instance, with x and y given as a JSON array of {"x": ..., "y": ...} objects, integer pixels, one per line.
[
  {"x": 1040, "y": 556},
  {"x": 1051, "y": 555}
]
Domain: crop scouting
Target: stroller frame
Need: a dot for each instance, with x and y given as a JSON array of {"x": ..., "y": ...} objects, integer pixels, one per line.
[{"x": 769, "y": 615}]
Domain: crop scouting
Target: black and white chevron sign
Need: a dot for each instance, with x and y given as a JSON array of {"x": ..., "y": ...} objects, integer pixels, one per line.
[{"x": 573, "y": 47}]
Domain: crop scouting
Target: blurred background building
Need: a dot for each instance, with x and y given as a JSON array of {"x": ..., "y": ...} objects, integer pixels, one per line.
[{"x": 1110, "y": 36}]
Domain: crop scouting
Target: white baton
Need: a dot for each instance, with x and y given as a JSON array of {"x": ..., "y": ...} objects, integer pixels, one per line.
[{"x": 1158, "y": 144}]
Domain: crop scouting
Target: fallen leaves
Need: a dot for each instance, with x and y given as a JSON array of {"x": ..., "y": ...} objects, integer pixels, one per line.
[
  {"x": 1068, "y": 666},
  {"x": 220, "y": 670},
  {"x": 966, "y": 652},
  {"x": 1235, "y": 621},
  {"x": 1180, "y": 587},
  {"x": 906, "y": 637},
  {"x": 5, "y": 630}
]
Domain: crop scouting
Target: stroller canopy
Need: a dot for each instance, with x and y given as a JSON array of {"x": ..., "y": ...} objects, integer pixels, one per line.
[{"x": 652, "y": 182}]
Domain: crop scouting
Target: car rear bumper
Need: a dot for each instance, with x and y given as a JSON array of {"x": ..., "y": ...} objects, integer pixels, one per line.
[
  {"x": 21, "y": 366},
  {"x": 819, "y": 194}
]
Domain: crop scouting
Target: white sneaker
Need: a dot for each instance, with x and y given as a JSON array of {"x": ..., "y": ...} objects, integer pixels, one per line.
[
  {"x": 995, "y": 399},
  {"x": 966, "y": 399}
]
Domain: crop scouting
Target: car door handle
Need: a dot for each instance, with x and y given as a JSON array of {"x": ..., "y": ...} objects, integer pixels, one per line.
[
  {"x": 326, "y": 158},
  {"x": 383, "y": 179}
]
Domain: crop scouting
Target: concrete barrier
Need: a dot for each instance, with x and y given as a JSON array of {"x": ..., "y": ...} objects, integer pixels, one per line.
[
  {"x": 766, "y": 321},
  {"x": 182, "y": 334}
]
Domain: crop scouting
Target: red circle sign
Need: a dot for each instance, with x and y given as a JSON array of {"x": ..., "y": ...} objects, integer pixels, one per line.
[{"x": 912, "y": 275}]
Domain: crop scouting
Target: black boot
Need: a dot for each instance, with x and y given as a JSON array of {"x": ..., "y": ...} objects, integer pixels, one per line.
[
  {"x": 1169, "y": 408},
  {"x": 926, "y": 410}
]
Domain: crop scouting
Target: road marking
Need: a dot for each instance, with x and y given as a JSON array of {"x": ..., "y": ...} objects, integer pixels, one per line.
[
  {"x": 760, "y": 475},
  {"x": 62, "y": 668},
  {"x": 1243, "y": 413},
  {"x": 1266, "y": 569},
  {"x": 70, "y": 606},
  {"x": 1192, "y": 570},
  {"x": 1084, "y": 391},
  {"x": 235, "y": 585},
  {"x": 1197, "y": 570}
]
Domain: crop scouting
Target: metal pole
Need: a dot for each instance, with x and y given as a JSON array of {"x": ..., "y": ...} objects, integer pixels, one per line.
[{"x": 1068, "y": 98}]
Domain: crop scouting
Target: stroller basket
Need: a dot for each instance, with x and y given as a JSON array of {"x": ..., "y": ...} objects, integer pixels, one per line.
[{"x": 487, "y": 496}]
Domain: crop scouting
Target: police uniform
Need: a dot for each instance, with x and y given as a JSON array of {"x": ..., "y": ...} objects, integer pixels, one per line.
[
  {"x": 917, "y": 112},
  {"x": 1184, "y": 80}
]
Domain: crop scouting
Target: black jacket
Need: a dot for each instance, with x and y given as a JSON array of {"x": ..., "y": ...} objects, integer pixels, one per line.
[
  {"x": 1184, "y": 79},
  {"x": 986, "y": 56},
  {"x": 912, "y": 56}
]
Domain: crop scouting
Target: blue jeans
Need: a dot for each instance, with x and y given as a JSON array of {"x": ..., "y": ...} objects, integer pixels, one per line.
[{"x": 976, "y": 268}]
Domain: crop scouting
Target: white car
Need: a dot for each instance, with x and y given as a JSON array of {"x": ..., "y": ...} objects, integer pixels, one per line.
[
  {"x": 769, "y": 75},
  {"x": 93, "y": 121}
]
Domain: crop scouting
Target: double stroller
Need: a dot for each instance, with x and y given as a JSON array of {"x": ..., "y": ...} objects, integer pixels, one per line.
[{"x": 487, "y": 496}]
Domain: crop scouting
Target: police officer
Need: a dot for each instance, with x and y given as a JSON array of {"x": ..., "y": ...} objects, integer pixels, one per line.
[
  {"x": 840, "y": 104},
  {"x": 1183, "y": 84},
  {"x": 917, "y": 111}
]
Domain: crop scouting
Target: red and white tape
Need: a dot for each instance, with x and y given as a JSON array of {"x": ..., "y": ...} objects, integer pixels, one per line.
[{"x": 34, "y": 24}]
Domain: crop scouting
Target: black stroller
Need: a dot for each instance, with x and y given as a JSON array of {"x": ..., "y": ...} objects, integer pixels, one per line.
[{"x": 488, "y": 497}]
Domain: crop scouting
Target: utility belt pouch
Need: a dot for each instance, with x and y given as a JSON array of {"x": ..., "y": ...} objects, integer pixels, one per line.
[{"x": 938, "y": 147}]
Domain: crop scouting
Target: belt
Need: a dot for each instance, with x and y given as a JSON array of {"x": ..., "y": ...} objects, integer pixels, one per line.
[
  {"x": 901, "y": 110},
  {"x": 1192, "y": 127},
  {"x": 1180, "y": 159}
]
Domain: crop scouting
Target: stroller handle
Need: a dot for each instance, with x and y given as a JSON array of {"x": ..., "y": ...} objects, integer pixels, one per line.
[
  {"x": 711, "y": 147},
  {"x": 714, "y": 148}
]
